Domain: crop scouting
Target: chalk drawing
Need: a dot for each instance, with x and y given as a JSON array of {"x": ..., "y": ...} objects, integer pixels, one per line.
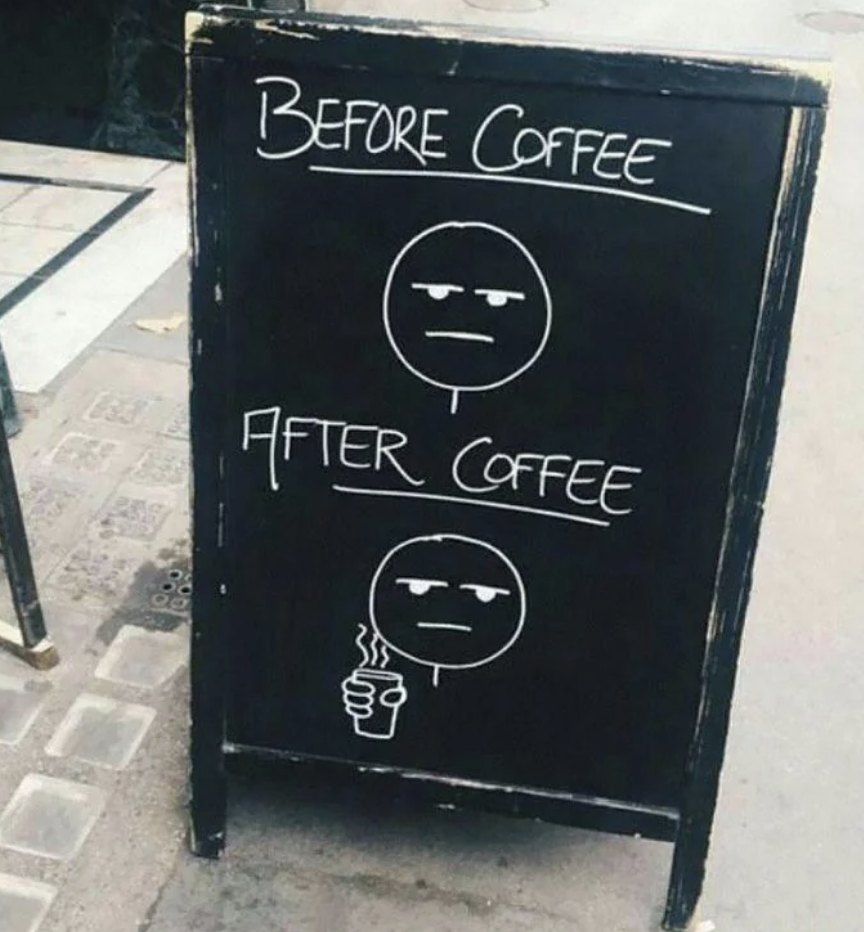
[
  {"x": 466, "y": 307},
  {"x": 443, "y": 601}
]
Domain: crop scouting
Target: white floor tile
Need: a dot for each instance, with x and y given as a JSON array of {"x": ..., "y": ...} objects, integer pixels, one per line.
[
  {"x": 101, "y": 731},
  {"x": 23, "y": 903},
  {"x": 142, "y": 658},
  {"x": 50, "y": 818},
  {"x": 61, "y": 208},
  {"x": 10, "y": 191},
  {"x": 173, "y": 175},
  {"x": 20, "y": 703},
  {"x": 43, "y": 333},
  {"x": 21, "y": 158},
  {"x": 8, "y": 282},
  {"x": 25, "y": 249}
]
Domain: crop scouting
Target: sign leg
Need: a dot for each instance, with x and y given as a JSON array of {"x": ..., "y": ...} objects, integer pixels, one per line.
[
  {"x": 688, "y": 875},
  {"x": 207, "y": 828},
  {"x": 208, "y": 421},
  {"x": 209, "y": 790}
]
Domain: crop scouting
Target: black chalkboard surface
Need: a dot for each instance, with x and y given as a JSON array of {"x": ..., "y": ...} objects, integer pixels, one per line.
[{"x": 488, "y": 344}]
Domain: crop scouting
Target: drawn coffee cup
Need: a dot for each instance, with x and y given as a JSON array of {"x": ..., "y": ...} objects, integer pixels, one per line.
[{"x": 373, "y": 699}]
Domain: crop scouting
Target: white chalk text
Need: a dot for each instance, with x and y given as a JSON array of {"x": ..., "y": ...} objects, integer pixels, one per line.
[{"x": 483, "y": 474}]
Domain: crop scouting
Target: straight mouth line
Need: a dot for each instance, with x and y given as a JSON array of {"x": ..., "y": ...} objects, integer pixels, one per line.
[
  {"x": 444, "y": 626},
  {"x": 460, "y": 335}
]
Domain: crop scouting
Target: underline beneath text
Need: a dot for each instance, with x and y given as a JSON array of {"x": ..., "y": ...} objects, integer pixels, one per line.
[
  {"x": 479, "y": 503},
  {"x": 516, "y": 179}
]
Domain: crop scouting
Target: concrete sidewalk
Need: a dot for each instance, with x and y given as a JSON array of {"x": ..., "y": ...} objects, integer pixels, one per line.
[{"x": 93, "y": 754}]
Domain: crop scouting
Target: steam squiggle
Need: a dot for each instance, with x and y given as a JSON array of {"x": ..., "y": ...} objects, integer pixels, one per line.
[
  {"x": 373, "y": 649},
  {"x": 361, "y": 644}
]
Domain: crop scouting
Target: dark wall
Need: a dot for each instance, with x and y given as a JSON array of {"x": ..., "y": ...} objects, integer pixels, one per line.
[{"x": 104, "y": 74}]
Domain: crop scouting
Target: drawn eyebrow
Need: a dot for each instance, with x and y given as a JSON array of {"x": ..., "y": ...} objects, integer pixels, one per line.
[
  {"x": 422, "y": 581},
  {"x": 501, "y": 293},
  {"x": 429, "y": 286},
  {"x": 474, "y": 587}
]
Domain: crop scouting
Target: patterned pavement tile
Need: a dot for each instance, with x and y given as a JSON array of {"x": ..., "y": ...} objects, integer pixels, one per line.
[
  {"x": 161, "y": 467},
  {"x": 120, "y": 408},
  {"x": 48, "y": 501},
  {"x": 54, "y": 510},
  {"x": 92, "y": 570},
  {"x": 132, "y": 517},
  {"x": 83, "y": 453},
  {"x": 178, "y": 425}
]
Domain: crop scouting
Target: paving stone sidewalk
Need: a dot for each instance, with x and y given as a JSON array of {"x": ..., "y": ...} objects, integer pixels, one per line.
[{"x": 93, "y": 753}]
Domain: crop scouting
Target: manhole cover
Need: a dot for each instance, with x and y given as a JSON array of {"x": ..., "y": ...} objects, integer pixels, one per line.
[
  {"x": 172, "y": 591},
  {"x": 835, "y": 21},
  {"x": 158, "y": 599}
]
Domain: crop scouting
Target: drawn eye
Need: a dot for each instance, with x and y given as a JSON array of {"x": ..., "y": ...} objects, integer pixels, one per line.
[
  {"x": 497, "y": 298},
  {"x": 420, "y": 587},
  {"x": 437, "y": 291},
  {"x": 485, "y": 594}
]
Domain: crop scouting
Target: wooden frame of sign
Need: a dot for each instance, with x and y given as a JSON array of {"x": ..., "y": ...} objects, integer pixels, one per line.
[{"x": 488, "y": 341}]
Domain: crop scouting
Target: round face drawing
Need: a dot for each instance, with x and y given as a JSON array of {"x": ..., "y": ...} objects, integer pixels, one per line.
[
  {"x": 447, "y": 601},
  {"x": 466, "y": 307}
]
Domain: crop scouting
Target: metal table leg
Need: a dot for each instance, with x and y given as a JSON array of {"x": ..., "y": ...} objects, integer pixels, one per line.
[{"x": 29, "y": 640}]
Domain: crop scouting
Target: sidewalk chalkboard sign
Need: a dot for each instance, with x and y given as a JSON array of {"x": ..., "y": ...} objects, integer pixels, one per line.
[{"x": 488, "y": 343}]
